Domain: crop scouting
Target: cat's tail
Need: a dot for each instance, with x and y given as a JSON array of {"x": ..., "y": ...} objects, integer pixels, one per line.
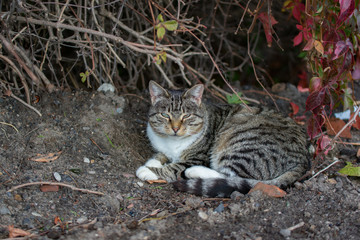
[{"x": 213, "y": 187}]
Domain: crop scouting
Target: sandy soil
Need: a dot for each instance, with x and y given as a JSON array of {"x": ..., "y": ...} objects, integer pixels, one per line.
[{"x": 99, "y": 141}]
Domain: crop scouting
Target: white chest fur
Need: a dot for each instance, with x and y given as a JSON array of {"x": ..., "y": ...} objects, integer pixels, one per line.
[{"x": 171, "y": 146}]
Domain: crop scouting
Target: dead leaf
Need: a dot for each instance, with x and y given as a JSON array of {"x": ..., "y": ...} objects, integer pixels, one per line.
[
  {"x": 334, "y": 125},
  {"x": 358, "y": 153},
  {"x": 57, "y": 220},
  {"x": 49, "y": 188},
  {"x": 156, "y": 211},
  {"x": 128, "y": 175},
  {"x": 156, "y": 181},
  {"x": 16, "y": 232},
  {"x": 46, "y": 157},
  {"x": 269, "y": 190},
  {"x": 319, "y": 47}
]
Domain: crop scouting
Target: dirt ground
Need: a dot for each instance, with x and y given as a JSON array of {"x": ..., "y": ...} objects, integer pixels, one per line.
[{"x": 98, "y": 141}]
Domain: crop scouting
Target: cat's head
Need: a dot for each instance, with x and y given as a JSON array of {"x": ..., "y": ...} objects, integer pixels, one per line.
[{"x": 176, "y": 113}]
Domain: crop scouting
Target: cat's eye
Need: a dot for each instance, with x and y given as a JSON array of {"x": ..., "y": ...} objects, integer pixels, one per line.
[
  {"x": 165, "y": 115},
  {"x": 186, "y": 116}
]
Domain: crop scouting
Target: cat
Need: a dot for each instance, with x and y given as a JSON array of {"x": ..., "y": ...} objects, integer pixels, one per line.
[{"x": 220, "y": 149}]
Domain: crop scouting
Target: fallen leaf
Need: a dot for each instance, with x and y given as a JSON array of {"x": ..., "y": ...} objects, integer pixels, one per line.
[
  {"x": 16, "y": 232},
  {"x": 128, "y": 175},
  {"x": 269, "y": 190},
  {"x": 156, "y": 181},
  {"x": 130, "y": 206},
  {"x": 334, "y": 125},
  {"x": 46, "y": 157},
  {"x": 49, "y": 188},
  {"x": 358, "y": 153},
  {"x": 156, "y": 211},
  {"x": 57, "y": 220},
  {"x": 350, "y": 170}
]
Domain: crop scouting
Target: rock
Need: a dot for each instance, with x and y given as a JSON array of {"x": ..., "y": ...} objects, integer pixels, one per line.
[
  {"x": 105, "y": 87},
  {"x": 81, "y": 220},
  {"x": 203, "y": 215},
  {"x": 285, "y": 232},
  {"x": 140, "y": 184},
  {"x": 57, "y": 176},
  {"x": 236, "y": 195},
  {"x": 4, "y": 210},
  {"x": 92, "y": 172},
  {"x": 193, "y": 202},
  {"x": 219, "y": 208},
  {"x": 86, "y": 160}
]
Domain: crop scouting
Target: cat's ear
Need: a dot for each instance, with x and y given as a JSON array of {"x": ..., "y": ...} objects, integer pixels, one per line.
[
  {"x": 157, "y": 92},
  {"x": 195, "y": 93}
]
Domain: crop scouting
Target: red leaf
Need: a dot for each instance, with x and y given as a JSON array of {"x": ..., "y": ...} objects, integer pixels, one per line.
[
  {"x": 298, "y": 8},
  {"x": 357, "y": 122},
  {"x": 315, "y": 99},
  {"x": 347, "y": 7},
  {"x": 303, "y": 85},
  {"x": 295, "y": 109},
  {"x": 309, "y": 45},
  {"x": 298, "y": 39},
  {"x": 267, "y": 22},
  {"x": 335, "y": 125},
  {"x": 322, "y": 143},
  {"x": 315, "y": 84},
  {"x": 314, "y": 124},
  {"x": 342, "y": 48},
  {"x": 356, "y": 72}
]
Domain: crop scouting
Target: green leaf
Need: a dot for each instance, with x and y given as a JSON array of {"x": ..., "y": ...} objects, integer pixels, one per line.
[
  {"x": 350, "y": 170},
  {"x": 84, "y": 76},
  {"x": 163, "y": 56},
  {"x": 171, "y": 25},
  {"x": 160, "y": 18},
  {"x": 302, "y": 55},
  {"x": 157, "y": 59},
  {"x": 234, "y": 99},
  {"x": 160, "y": 33}
]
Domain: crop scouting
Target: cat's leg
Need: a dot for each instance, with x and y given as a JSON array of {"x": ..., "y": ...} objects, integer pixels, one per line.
[
  {"x": 202, "y": 172},
  {"x": 145, "y": 173}
]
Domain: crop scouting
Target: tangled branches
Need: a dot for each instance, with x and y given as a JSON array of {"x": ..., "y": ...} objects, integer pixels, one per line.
[{"x": 76, "y": 44}]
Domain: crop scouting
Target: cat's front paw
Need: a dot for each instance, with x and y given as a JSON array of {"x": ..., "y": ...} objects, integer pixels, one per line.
[
  {"x": 144, "y": 173},
  {"x": 202, "y": 172},
  {"x": 153, "y": 163}
]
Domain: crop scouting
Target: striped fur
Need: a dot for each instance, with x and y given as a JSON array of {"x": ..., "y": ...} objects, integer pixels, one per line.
[{"x": 220, "y": 149}]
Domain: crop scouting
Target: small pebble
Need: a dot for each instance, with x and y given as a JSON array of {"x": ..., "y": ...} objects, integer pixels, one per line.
[
  {"x": 119, "y": 110},
  {"x": 86, "y": 160},
  {"x": 18, "y": 197},
  {"x": 36, "y": 214},
  {"x": 140, "y": 184},
  {"x": 219, "y": 208},
  {"x": 4, "y": 210},
  {"x": 203, "y": 215},
  {"x": 86, "y": 128},
  {"x": 57, "y": 176},
  {"x": 92, "y": 172},
  {"x": 285, "y": 232}
]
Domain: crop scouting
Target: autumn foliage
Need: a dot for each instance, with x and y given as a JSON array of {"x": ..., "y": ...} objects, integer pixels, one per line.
[{"x": 329, "y": 35}]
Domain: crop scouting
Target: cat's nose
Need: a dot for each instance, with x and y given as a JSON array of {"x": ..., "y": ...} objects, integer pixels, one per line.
[{"x": 175, "y": 129}]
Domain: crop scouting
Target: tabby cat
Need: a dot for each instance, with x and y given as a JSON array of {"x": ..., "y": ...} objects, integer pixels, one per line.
[{"x": 220, "y": 149}]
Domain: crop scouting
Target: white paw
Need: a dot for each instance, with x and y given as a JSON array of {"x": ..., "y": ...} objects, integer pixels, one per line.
[
  {"x": 202, "y": 172},
  {"x": 145, "y": 173},
  {"x": 153, "y": 163}
]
